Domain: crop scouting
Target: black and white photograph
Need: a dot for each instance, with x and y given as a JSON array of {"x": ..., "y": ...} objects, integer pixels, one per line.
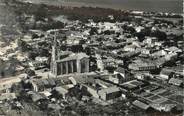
[{"x": 91, "y": 58}]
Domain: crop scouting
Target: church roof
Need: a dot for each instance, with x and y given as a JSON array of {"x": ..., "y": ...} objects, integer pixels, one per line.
[{"x": 75, "y": 57}]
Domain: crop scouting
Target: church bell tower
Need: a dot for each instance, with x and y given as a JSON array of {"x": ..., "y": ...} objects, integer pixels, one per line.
[{"x": 54, "y": 57}]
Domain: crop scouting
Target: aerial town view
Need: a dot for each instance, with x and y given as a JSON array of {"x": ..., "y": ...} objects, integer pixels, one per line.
[{"x": 79, "y": 58}]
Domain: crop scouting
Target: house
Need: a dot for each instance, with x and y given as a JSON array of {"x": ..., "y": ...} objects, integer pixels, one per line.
[
  {"x": 120, "y": 71},
  {"x": 39, "y": 63},
  {"x": 160, "y": 61},
  {"x": 141, "y": 105},
  {"x": 100, "y": 64},
  {"x": 143, "y": 75},
  {"x": 140, "y": 76},
  {"x": 130, "y": 48},
  {"x": 120, "y": 75},
  {"x": 133, "y": 85},
  {"x": 163, "y": 107},
  {"x": 6, "y": 84},
  {"x": 36, "y": 65},
  {"x": 145, "y": 51},
  {"x": 60, "y": 91},
  {"x": 173, "y": 49},
  {"x": 139, "y": 28},
  {"x": 166, "y": 74},
  {"x": 35, "y": 97},
  {"x": 109, "y": 93},
  {"x": 47, "y": 84},
  {"x": 54, "y": 106},
  {"x": 178, "y": 70},
  {"x": 7, "y": 96},
  {"x": 158, "y": 43},
  {"x": 42, "y": 59},
  {"x": 46, "y": 93},
  {"x": 171, "y": 56},
  {"x": 102, "y": 82},
  {"x": 85, "y": 98},
  {"x": 176, "y": 81},
  {"x": 159, "y": 53},
  {"x": 143, "y": 65},
  {"x": 72, "y": 40},
  {"x": 150, "y": 40},
  {"x": 92, "y": 89},
  {"x": 137, "y": 43},
  {"x": 130, "y": 54},
  {"x": 115, "y": 79},
  {"x": 109, "y": 62},
  {"x": 103, "y": 91}
]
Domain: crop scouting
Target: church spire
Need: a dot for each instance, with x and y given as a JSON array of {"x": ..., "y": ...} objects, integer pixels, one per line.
[{"x": 54, "y": 55}]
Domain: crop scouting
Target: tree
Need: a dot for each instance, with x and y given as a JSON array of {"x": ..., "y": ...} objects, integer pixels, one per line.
[
  {"x": 141, "y": 35},
  {"x": 41, "y": 12},
  {"x": 32, "y": 55},
  {"x": 93, "y": 31},
  {"x": 30, "y": 72},
  {"x": 159, "y": 34}
]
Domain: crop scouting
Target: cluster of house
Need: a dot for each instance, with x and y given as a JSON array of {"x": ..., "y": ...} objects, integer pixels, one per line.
[
  {"x": 173, "y": 75},
  {"x": 103, "y": 88}
]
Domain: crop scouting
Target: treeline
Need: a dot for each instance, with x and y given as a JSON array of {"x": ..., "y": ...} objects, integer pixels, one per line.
[{"x": 73, "y": 13}]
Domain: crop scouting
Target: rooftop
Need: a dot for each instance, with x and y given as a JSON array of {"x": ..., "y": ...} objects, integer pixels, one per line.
[
  {"x": 176, "y": 81},
  {"x": 121, "y": 70},
  {"x": 61, "y": 90},
  {"x": 140, "y": 104},
  {"x": 109, "y": 90},
  {"x": 75, "y": 57}
]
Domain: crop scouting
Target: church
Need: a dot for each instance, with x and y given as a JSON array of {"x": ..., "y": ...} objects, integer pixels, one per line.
[{"x": 67, "y": 62}]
